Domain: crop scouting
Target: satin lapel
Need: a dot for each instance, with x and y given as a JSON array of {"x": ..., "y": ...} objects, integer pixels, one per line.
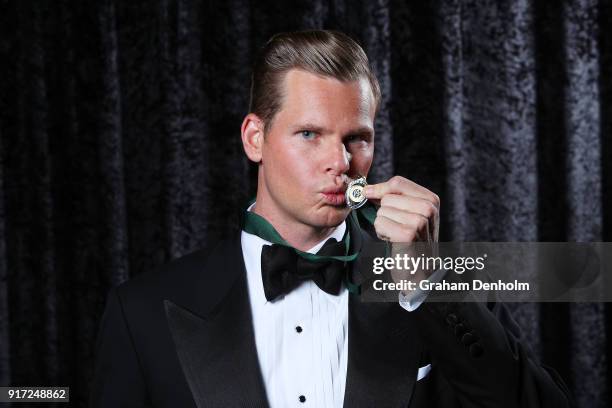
[
  {"x": 213, "y": 336},
  {"x": 383, "y": 353}
]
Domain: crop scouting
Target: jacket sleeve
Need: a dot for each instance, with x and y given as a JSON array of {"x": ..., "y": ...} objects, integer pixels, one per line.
[
  {"x": 118, "y": 380},
  {"x": 480, "y": 351}
]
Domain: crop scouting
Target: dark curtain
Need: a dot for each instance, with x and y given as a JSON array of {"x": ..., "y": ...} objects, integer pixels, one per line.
[{"x": 120, "y": 148}]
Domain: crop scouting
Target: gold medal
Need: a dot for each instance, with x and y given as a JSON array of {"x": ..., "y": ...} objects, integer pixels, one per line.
[{"x": 354, "y": 193}]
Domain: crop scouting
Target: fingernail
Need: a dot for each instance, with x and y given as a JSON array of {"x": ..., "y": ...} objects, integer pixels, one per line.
[{"x": 368, "y": 190}]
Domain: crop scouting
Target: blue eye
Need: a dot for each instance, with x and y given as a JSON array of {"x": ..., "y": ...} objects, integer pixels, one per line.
[{"x": 308, "y": 134}]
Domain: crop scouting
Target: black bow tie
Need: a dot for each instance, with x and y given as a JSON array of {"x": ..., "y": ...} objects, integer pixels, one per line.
[{"x": 282, "y": 270}]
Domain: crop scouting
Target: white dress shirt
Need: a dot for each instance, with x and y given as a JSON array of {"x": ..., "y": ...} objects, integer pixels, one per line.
[{"x": 302, "y": 337}]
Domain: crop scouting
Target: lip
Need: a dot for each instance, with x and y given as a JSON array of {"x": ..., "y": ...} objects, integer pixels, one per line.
[{"x": 334, "y": 196}]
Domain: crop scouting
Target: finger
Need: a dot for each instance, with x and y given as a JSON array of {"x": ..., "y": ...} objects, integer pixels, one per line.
[
  {"x": 410, "y": 204},
  {"x": 400, "y": 185},
  {"x": 411, "y": 219},
  {"x": 390, "y": 230}
]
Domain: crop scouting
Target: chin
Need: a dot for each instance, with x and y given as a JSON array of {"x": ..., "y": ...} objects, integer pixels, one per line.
[{"x": 332, "y": 217}]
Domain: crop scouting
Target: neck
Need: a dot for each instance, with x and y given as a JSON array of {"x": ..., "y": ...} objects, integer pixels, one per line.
[{"x": 299, "y": 235}]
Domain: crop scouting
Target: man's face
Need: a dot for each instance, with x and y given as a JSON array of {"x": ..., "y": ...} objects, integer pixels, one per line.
[{"x": 323, "y": 132}]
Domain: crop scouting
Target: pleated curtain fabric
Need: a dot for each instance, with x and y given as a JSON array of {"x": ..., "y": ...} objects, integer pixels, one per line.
[{"x": 120, "y": 148}]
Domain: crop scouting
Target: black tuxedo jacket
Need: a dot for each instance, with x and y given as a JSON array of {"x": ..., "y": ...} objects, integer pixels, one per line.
[{"x": 183, "y": 337}]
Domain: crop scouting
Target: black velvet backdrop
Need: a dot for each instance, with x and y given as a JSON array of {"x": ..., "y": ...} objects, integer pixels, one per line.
[{"x": 120, "y": 149}]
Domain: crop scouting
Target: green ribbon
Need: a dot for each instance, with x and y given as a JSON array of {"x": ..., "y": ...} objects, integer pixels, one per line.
[
  {"x": 257, "y": 225},
  {"x": 368, "y": 212}
]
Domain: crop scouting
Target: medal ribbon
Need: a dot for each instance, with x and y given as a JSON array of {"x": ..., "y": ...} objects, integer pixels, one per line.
[{"x": 257, "y": 225}]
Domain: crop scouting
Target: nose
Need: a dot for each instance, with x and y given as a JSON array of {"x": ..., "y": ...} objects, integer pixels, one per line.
[{"x": 338, "y": 160}]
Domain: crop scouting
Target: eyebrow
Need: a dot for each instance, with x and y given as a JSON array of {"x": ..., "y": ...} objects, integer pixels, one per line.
[
  {"x": 363, "y": 130},
  {"x": 310, "y": 126}
]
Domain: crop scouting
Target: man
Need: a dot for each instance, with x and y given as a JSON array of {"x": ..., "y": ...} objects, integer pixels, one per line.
[{"x": 219, "y": 328}]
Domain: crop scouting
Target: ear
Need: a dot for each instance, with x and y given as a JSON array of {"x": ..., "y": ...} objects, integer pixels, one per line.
[{"x": 252, "y": 136}]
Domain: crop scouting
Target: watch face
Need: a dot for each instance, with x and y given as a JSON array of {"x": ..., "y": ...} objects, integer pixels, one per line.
[{"x": 354, "y": 193}]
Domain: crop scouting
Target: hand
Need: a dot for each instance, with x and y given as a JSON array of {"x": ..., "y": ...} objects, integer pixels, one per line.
[{"x": 408, "y": 212}]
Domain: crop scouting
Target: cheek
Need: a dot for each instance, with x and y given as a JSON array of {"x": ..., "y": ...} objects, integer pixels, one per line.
[
  {"x": 294, "y": 168},
  {"x": 295, "y": 160}
]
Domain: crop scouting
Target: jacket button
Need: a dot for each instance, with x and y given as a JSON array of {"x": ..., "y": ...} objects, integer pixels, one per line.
[
  {"x": 451, "y": 319},
  {"x": 302, "y": 398},
  {"x": 460, "y": 329},
  {"x": 476, "y": 350},
  {"x": 468, "y": 338}
]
